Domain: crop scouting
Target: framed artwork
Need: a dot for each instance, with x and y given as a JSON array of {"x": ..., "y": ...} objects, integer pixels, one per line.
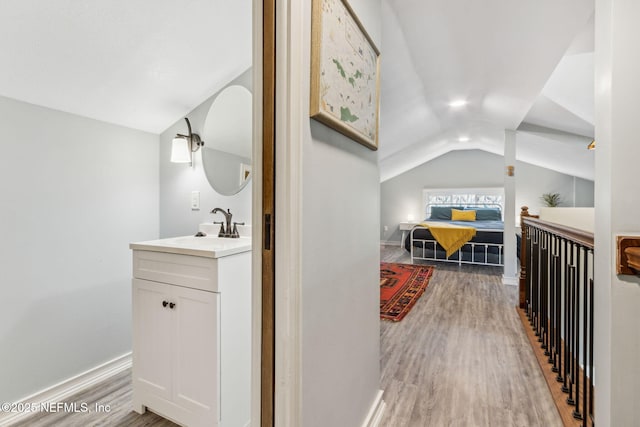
[
  {"x": 345, "y": 73},
  {"x": 245, "y": 172}
]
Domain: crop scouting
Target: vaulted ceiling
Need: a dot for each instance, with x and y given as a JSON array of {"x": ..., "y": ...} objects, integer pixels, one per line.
[
  {"x": 525, "y": 65},
  {"x": 513, "y": 62}
]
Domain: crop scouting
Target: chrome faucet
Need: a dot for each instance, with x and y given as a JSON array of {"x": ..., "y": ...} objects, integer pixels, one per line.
[{"x": 226, "y": 231}]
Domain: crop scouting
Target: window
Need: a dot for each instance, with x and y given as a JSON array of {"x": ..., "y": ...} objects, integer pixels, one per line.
[{"x": 466, "y": 197}]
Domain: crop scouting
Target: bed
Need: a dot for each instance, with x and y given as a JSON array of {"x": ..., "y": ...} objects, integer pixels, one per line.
[{"x": 484, "y": 248}]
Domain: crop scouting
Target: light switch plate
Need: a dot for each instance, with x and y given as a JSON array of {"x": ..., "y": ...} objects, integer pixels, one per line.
[{"x": 195, "y": 200}]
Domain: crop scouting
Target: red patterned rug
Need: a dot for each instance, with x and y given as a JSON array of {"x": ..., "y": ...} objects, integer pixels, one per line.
[{"x": 400, "y": 287}]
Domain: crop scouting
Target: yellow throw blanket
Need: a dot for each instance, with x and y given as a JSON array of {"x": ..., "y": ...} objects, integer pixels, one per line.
[{"x": 451, "y": 237}]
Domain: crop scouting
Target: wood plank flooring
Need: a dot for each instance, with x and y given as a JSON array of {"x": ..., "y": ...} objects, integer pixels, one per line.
[
  {"x": 459, "y": 358},
  {"x": 559, "y": 397},
  {"x": 115, "y": 392}
]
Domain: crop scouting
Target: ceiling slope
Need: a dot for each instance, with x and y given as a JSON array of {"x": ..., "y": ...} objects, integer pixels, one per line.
[
  {"x": 138, "y": 64},
  {"x": 567, "y": 101},
  {"x": 497, "y": 55},
  {"x": 552, "y": 149},
  {"x": 146, "y": 67}
]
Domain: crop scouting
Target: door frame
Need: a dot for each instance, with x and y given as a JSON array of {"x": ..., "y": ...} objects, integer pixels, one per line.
[
  {"x": 291, "y": 116},
  {"x": 263, "y": 200},
  {"x": 278, "y": 79},
  {"x": 263, "y": 387}
]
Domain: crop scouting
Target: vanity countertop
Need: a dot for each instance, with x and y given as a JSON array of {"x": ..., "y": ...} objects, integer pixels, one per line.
[{"x": 208, "y": 246}]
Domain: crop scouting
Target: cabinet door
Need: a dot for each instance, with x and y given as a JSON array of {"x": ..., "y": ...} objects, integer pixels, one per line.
[
  {"x": 197, "y": 363},
  {"x": 153, "y": 330}
]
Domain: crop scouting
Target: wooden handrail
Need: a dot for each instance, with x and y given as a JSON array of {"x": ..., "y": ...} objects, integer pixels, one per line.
[{"x": 582, "y": 237}]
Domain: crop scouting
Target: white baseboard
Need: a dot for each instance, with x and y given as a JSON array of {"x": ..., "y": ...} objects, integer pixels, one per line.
[
  {"x": 390, "y": 242},
  {"x": 69, "y": 387},
  {"x": 511, "y": 281},
  {"x": 375, "y": 413}
]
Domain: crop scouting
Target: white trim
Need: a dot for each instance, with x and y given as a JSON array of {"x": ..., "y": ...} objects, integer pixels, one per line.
[
  {"x": 510, "y": 280},
  {"x": 375, "y": 413},
  {"x": 290, "y": 116},
  {"x": 69, "y": 387},
  {"x": 390, "y": 242},
  {"x": 256, "y": 216},
  {"x": 510, "y": 270}
]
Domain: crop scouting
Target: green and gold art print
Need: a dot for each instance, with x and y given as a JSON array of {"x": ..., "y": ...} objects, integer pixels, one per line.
[{"x": 344, "y": 73}]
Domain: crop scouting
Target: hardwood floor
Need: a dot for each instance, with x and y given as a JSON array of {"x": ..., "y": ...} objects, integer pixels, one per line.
[
  {"x": 115, "y": 392},
  {"x": 459, "y": 358}
]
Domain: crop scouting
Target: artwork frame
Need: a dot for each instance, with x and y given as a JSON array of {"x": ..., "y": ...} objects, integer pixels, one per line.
[
  {"x": 245, "y": 172},
  {"x": 345, "y": 73}
]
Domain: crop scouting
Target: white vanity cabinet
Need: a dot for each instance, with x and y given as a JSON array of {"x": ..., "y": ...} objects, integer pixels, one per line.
[
  {"x": 192, "y": 335},
  {"x": 176, "y": 351}
]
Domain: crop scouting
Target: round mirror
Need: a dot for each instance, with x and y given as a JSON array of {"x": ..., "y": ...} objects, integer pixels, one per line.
[{"x": 226, "y": 154}]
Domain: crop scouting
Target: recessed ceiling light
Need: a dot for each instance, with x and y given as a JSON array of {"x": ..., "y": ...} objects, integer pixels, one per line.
[
  {"x": 458, "y": 103},
  {"x": 464, "y": 139}
]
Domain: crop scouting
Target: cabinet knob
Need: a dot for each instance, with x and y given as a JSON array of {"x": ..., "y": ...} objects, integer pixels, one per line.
[
  {"x": 165, "y": 303},
  {"x": 172, "y": 305}
]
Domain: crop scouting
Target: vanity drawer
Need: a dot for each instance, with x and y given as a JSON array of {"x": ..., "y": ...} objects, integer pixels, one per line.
[{"x": 182, "y": 270}]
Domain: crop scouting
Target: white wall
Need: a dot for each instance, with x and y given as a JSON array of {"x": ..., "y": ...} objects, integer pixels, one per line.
[
  {"x": 402, "y": 195},
  {"x": 178, "y": 180},
  {"x": 580, "y": 218},
  {"x": 532, "y": 181},
  {"x": 340, "y": 260},
  {"x": 75, "y": 192},
  {"x": 617, "y": 310},
  {"x": 584, "y": 193}
]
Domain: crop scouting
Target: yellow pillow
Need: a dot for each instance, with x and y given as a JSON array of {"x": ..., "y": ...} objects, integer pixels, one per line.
[{"x": 458, "y": 215}]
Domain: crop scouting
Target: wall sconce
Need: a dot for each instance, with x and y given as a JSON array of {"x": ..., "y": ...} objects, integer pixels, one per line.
[
  {"x": 183, "y": 146},
  {"x": 592, "y": 145},
  {"x": 510, "y": 170}
]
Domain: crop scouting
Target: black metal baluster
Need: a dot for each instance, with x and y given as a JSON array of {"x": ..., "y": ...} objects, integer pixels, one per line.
[
  {"x": 548, "y": 293},
  {"x": 558, "y": 367},
  {"x": 540, "y": 287},
  {"x": 527, "y": 262},
  {"x": 565, "y": 364},
  {"x": 532, "y": 275},
  {"x": 552, "y": 303},
  {"x": 543, "y": 293},
  {"x": 585, "y": 334},
  {"x": 535, "y": 282},
  {"x": 572, "y": 326},
  {"x": 576, "y": 412},
  {"x": 547, "y": 305},
  {"x": 591, "y": 391},
  {"x": 547, "y": 284},
  {"x": 539, "y": 281}
]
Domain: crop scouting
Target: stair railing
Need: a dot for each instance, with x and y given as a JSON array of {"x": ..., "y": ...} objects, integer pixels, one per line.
[{"x": 556, "y": 294}]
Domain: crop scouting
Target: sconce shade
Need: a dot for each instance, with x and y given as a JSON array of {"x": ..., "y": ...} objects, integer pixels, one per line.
[
  {"x": 180, "y": 150},
  {"x": 184, "y": 146}
]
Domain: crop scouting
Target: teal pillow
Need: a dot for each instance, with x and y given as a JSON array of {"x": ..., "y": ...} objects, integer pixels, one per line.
[
  {"x": 442, "y": 212},
  {"x": 488, "y": 214}
]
